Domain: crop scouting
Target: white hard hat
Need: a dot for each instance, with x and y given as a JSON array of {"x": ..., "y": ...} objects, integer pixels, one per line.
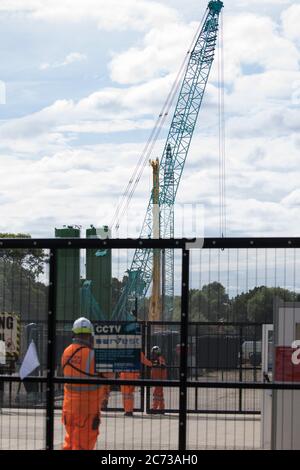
[
  {"x": 82, "y": 325},
  {"x": 156, "y": 350}
]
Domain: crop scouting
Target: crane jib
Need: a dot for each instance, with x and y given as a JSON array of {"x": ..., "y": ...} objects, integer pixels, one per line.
[{"x": 172, "y": 164}]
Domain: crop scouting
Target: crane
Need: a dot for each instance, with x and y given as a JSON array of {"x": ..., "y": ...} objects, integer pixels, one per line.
[{"x": 171, "y": 167}]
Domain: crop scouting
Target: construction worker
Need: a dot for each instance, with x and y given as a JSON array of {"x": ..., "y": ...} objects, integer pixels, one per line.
[
  {"x": 81, "y": 406},
  {"x": 105, "y": 389},
  {"x": 128, "y": 390},
  {"x": 158, "y": 372}
]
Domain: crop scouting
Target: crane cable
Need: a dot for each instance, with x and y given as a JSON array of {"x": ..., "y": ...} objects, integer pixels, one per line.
[
  {"x": 144, "y": 157},
  {"x": 128, "y": 193},
  {"x": 222, "y": 146},
  {"x": 137, "y": 174}
]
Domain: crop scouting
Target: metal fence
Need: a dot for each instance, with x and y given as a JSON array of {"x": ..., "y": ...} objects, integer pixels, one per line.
[
  {"x": 214, "y": 385},
  {"x": 226, "y": 352}
]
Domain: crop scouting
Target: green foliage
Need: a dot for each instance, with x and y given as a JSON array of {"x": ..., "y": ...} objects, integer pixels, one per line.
[
  {"x": 20, "y": 293},
  {"x": 20, "y": 290},
  {"x": 260, "y": 305},
  {"x": 212, "y": 304},
  {"x": 31, "y": 261},
  {"x": 207, "y": 304}
]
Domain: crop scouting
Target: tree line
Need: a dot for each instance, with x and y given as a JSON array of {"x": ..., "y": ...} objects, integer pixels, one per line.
[
  {"x": 212, "y": 303},
  {"x": 21, "y": 290}
]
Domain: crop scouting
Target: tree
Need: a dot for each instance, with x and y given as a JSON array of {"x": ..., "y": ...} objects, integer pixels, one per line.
[
  {"x": 30, "y": 260},
  {"x": 214, "y": 302},
  {"x": 260, "y": 305},
  {"x": 239, "y": 305},
  {"x": 211, "y": 303}
]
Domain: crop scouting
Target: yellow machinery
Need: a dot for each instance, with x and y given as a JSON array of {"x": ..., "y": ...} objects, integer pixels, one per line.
[{"x": 155, "y": 299}]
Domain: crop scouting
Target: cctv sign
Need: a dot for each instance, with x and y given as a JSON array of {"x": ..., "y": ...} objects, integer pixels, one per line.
[
  {"x": 10, "y": 333},
  {"x": 117, "y": 346}
]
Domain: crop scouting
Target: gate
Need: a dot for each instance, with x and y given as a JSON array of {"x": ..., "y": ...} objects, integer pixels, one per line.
[
  {"x": 224, "y": 293},
  {"x": 216, "y": 352}
]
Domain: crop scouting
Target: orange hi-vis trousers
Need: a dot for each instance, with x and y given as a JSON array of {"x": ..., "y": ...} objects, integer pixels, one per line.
[
  {"x": 81, "y": 406},
  {"x": 158, "y": 372},
  {"x": 105, "y": 389},
  {"x": 158, "y": 399},
  {"x": 81, "y": 431},
  {"x": 128, "y": 390}
]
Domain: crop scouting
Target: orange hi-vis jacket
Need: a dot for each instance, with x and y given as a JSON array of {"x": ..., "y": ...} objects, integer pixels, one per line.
[
  {"x": 134, "y": 375},
  {"x": 145, "y": 361},
  {"x": 78, "y": 361},
  {"x": 159, "y": 371}
]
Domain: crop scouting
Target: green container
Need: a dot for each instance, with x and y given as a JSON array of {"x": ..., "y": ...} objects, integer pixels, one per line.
[
  {"x": 68, "y": 278},
  {"x": 99, "y": 271}
]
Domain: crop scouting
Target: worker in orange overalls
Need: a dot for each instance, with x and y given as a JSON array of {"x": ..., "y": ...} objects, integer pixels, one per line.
[
  {"x": 81, "y": 406},
  {"x": 128, "y": 390},
  {"x": 105, "y": 389},
  {"x": 158, "y": 372}
]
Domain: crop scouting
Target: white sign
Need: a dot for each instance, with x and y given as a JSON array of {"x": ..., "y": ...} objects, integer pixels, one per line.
[
  {"x": 10, "y": 333},
  {"x": 30, "y": 361},
  {"x": 2, "y": 353}
]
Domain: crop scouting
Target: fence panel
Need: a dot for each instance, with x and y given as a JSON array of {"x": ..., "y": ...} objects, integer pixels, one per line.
[{"x": 212, "y": 385}]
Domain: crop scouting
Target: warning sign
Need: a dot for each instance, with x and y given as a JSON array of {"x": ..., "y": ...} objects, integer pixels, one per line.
[
  {"x": 10, "y": 333},
  {"x": 117, "y": 347}
]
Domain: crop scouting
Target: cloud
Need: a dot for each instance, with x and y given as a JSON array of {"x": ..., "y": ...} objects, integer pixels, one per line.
[
  {"x": 102, "y": 126},
  {"x": 160, "y": 54},
  {"x": 109, "y": 110},
  {"x": 292, "y": 199},
  {"x": 261, "y": 184},
  {"x": 53, "y": 174},
  {"x": 69, "y": 59},
  {"x": 276, "y": 121},
  {"x": 262, "y": 218},
  {"x": 2, "y": 92},
  {"x": 254, "y": 40},
  {"x": 291, "y": 20},
  {"x": 70, "y": 185},
  {"x": 108, "y": 15},
  {"x": 268, "y": 2},
  {"x": 83, "y": 185}
]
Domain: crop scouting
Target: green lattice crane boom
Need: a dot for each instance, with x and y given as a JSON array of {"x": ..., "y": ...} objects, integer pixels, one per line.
[{"x": 171, "y": 167}]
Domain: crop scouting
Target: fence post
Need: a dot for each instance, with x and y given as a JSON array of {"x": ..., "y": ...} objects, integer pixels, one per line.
[
  {"x": 241, "y": 369},
  {"x": 51, "y": 350},
  {"x": 183, "y": 350},
  {"x": 148, "y": 334}
]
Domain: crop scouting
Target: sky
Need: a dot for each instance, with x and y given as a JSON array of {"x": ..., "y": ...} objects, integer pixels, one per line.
[{"x": 82, "y": 83}]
